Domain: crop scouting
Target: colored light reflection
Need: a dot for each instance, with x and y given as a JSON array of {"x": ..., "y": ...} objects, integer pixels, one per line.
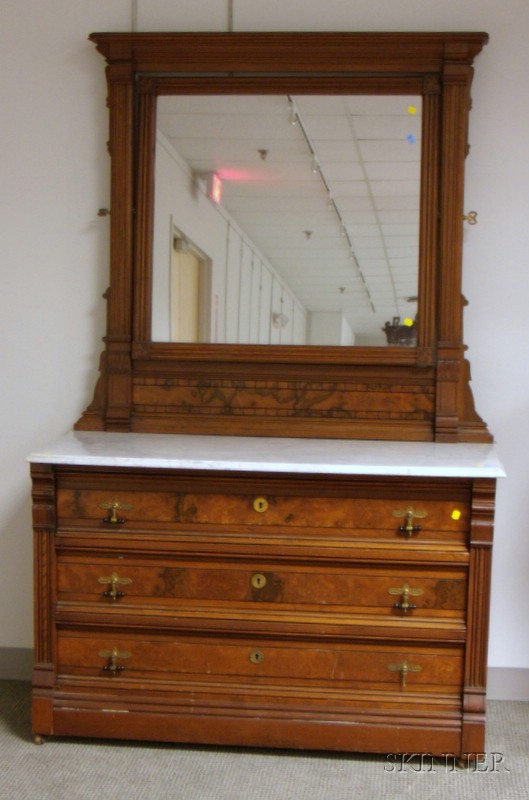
[{"x": 215, "y": 189}]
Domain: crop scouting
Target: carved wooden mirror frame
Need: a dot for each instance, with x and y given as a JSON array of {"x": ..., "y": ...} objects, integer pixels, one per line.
[{"x": 402, "y": 393}]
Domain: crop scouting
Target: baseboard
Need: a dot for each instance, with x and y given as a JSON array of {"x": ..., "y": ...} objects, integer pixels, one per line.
[
  {"x": 508, "y": 683},
  {"x": 504, "y": 683},
  {"x": 16, "y": 663}
]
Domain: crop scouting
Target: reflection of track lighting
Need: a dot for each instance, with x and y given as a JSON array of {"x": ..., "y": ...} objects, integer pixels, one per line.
[{"x": 296, "y": 119}]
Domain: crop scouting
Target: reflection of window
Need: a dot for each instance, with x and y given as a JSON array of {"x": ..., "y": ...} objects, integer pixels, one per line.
[{"x": 187, "y": 290}]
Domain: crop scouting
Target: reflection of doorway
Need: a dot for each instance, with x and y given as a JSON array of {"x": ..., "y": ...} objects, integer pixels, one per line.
[{"x": 188, "y": 292}]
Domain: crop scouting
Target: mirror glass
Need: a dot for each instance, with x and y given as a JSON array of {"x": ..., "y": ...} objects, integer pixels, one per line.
[{"x": 287, "y": 219}]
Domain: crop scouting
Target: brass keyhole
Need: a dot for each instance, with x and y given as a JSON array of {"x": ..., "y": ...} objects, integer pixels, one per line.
[
  {"x": 258, "y": 580},
  {"x": 257, "y": 657},
  {"x": 260, "y": 504}
]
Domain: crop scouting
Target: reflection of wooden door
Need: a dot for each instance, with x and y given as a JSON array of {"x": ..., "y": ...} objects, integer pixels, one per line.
[{"x": 185, "y": 293}]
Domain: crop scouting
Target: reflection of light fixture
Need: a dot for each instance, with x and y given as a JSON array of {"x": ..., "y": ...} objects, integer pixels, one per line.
[
  {"x": 279, "y": 320},
  {"x": 214, "y": 187},
  {"x": 211, "y": 184}
]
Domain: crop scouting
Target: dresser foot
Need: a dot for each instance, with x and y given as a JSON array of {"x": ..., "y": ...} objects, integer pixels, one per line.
[{"x": 38, "y": 739}]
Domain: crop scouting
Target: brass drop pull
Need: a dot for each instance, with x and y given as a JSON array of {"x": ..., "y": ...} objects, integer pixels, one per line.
[
  {"x": 114, "y": 581},
  {"x": 404, "y": 668},
  {"x": 471, "y": 217},
  {"x": 260, "y": 504},
  {"x": 113, "y": 507},
  {"x": 405, "y": 593},
  {"x": 256, "y": 656},
  {"x": 409, "y": 515},
  {"x": 258, "y": 580},
  {"x": 113, "y": 655}
]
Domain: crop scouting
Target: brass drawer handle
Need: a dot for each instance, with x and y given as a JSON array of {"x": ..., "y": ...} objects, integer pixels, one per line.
[
  {"x": 260, "y": 504},
  {"x": 256, "y": 656},
  {"x": 409, "y": 515},
  {"x": 113, "y": 507},
  {"x": 113, "y": 581},
  {"x": 404, "y": 668},
  {"x": 405, "y": 593},
  {"x": 471, "y": 217},
  {"x": 258, "y": 580},
  {"x": 113, "y": 655}
]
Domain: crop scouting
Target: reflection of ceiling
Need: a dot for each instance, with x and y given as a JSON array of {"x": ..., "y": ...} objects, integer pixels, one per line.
[{"x": 333, "y": 202}]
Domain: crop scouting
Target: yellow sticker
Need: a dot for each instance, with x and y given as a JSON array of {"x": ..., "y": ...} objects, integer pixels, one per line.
[
  {"x": 456, "y": 514},
  {"x": 408, "y": 322},
  {"x": 412, "y": 110}
]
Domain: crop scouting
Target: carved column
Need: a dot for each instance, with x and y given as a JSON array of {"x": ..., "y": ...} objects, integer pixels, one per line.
[
  {"x": 457, "y": 78},
  {"x": 481, "y": 534},
  {"x": 119, "y": 322},
  {"x": 428, "y": 228},
  {"x": 147, "y": 98},
  {"x": 44, "y": 597},
  {"x": 111, "y": 407}
]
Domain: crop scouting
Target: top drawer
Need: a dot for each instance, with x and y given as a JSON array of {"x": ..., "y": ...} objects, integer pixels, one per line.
[{"x": 407, "y": 508}]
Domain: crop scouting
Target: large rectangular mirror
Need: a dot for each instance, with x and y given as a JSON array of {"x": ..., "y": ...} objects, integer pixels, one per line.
[{"x": 287, "y": 219}]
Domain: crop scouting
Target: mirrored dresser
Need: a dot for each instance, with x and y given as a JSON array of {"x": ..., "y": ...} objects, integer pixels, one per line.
[{"x": 273, "y": 524}]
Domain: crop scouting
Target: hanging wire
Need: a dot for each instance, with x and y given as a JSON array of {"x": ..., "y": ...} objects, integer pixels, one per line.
[{"x": 134, "y": 15}]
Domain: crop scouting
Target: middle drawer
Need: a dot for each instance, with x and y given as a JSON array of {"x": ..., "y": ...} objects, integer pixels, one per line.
[{"x": 433, "y": 592}]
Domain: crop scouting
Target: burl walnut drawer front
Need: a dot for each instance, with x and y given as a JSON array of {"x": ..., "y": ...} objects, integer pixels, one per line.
[
  {"x": 178, "y": 583},
  {"x": 392, "y": 668},
  {"x": 400, "y": 514}
]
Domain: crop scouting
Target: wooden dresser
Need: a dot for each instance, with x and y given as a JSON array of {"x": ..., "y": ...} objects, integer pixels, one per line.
[{"x": 275, "y": 592}]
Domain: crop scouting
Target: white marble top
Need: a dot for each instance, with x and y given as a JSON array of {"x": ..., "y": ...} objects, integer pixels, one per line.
[{"x": 249, "y": 453}]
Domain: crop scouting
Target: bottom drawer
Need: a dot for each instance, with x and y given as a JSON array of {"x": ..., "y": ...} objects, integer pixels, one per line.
[{"x": 286, "y": 666}]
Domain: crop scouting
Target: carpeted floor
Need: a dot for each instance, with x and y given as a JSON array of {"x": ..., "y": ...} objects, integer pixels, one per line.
[{"x": 71, "y": 769}]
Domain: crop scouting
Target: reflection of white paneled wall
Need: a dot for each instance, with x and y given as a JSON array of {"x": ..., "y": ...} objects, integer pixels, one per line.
[
  {"x": 255, "y": 301},
  {"x": 265, "y": 315},
  {"x": 245, "y": 293},
  {"x": 259, "y": 308},
  {"x": 330, "y": 328},
  {"x": 233, "y": 284},
  {"x": 245, "y": 290}
]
